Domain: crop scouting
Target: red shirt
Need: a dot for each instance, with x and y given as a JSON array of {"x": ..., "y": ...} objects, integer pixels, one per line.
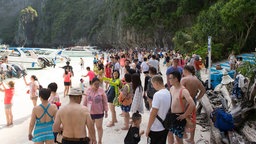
[
  {"x": 8, "y": 95},
  {"x": 91, "y": 75},
  {"x": 108, "y": 72},
  {"x": 67, "y": 77}
]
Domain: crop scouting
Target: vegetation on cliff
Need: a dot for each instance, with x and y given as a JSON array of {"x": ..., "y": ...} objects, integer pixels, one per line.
[{"x": 177, "y": 24}]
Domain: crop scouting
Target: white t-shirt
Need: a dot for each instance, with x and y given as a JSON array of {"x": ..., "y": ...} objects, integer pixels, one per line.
[
  {"x": 154, "y": 63},
  {"x": 144, "y": 66},
  {"x": 117, "y": 66},
  {"x": 162, "y": 102},
  {"x": 4, "y": 66}
]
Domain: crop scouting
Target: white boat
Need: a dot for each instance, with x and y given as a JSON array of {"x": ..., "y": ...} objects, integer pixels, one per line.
[
  {"x": 24, "y": 57},
  {"x": 78, "y": 51},
  {"x": 51, "y": 54}
]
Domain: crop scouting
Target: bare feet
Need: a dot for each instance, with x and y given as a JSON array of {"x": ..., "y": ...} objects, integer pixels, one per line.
[
  {"x": 124, "y": 128},
  {"x": 110, "y": 124}
]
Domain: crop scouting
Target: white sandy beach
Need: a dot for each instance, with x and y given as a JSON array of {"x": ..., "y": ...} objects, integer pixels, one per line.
[{"x": 22, "y": 107}]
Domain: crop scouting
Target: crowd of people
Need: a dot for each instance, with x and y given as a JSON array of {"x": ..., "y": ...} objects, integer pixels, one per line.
[{"x": 115, "y": 81}]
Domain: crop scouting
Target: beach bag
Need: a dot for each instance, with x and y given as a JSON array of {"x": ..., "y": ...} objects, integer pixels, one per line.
[
  {"x": 125, "y": 100},
  {"x": 167, "y": 122},
  {"x": 222, "y": 120}
]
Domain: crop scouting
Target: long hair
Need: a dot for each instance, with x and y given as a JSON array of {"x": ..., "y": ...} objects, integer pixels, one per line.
[{"x": 136, "y": 82}]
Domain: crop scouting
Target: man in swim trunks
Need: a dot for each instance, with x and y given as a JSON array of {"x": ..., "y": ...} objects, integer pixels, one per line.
[
  {"x": 196, "y": 91},
  {"x": 74, "y": 119},
  {"x": 182, "y": 106}
]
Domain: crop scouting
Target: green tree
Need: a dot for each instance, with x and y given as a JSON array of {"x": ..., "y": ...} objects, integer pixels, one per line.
[
  {"x": 27, "y": 26},
  {"x": 240, "y": 18}
]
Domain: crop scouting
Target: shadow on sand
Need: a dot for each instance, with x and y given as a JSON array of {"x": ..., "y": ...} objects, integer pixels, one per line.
[{"x": 16, "y": 122}]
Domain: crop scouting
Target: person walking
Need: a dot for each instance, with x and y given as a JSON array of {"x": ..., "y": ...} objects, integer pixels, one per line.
[
  {"x": 8, "y": 95},
  {"x": 82, "y": 63},
  {"x": 67, "y": 81},
  {"x": 33, "y": 88},
  {"x": 42, "y": 119},
  {"x": 72, "y": 119},
  {"x": 96, "y": 101}
]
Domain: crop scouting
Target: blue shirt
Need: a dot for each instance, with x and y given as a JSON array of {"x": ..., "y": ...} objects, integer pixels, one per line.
[{"x": 171, "y": 69}]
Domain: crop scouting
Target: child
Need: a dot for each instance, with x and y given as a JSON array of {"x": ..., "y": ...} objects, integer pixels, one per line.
[
  {"x": 9, "y": 92},
  {"x": 134, "y": 133},
  {"x": 82, "y": 85}
]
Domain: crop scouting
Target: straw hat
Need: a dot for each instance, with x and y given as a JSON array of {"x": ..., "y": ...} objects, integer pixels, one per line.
[
  {"x": 75, "y": 92},
  {"x": 226, "y": 79}
]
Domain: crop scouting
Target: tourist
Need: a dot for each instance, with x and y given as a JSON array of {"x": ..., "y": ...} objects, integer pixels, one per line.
[
  {"x": 134, "y": 133},
  {"x": 206, "y": 62},
  {"x": 108, "y": 72},
  {"x": 82, "y": 85},
  {"x": 232, "y": 60},
  {"x": 8, "y": 95},
  {"x": 33, "y": 88},
  {"x": 155, "y": 132},
  {"x": 125, "y": 98},
  {"x": 197, "y": 66},
  {"x": 42, "y": 119},
  {"x": 137, "y": 102},
  {"x": 154, "y": 63},
  {"x": 82, "y": 63},
  {"x": 112, "y": 94},
  {"x": 90, "y": 74},
  {"x": 194, "y": 86},
  {"x": 67, "y": 81},
  {"x": 150, "y": 90},
  {"x": 116, "y": 64},
  {"x": 54, "y": 97},
  {"x": 70, "y": 69},
  {"x": 72, "y": 119},
  {"x": 96, "y": 101},
  {"x": 172, "y": 68},
  {"x": 182, "y": 107},
  {"x": 144, "y": 65}
]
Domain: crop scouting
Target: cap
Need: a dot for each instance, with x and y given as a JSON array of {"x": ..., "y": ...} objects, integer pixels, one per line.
[{"x": 75, "y": 92}]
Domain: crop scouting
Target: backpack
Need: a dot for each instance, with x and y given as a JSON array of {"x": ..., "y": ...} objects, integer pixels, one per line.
[
  {"x": 222, "y": 120},
  {"x": 125, "y": 100},
  {"x": 150, "y": 89},
  {"x": 167, "y": 122}
]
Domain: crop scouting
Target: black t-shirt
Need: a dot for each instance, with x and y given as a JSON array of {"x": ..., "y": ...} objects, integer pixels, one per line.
[{"x": 133, "y": 136}]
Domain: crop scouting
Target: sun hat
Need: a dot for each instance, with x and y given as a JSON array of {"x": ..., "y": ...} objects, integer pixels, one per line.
[
  {"x": 75, "y": 92},
  {"x": 226, "y": 79}
]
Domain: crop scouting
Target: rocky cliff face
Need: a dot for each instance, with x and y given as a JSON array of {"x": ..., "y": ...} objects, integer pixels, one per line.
[{"x": 69, "y": 22}]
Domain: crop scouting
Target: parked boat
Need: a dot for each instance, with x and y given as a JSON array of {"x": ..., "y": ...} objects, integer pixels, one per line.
[
  {"x": 78, "y": 51},
  {"x": 27, "y": 58}
]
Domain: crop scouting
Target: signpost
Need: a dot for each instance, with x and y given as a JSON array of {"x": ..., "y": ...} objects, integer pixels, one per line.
[{"x": 209, "y": 61}]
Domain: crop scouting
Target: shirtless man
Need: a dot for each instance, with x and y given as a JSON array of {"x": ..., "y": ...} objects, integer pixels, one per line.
[
  {"x": 182, "y": 107},
  {"x": 74, "y": 118},
  {"x": 193, "y": 85}
]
